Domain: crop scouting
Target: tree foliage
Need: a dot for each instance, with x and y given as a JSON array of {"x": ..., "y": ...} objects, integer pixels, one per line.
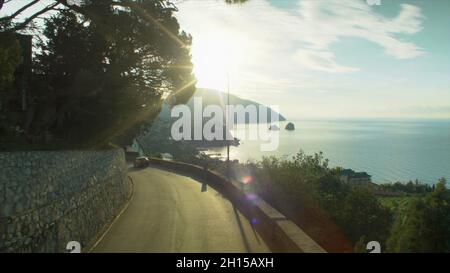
[
  {"x": 415, "y": 187},
  {"x": 17, "y": 22},
  {"x": 103, "y": 69},
  {"x": 362, "y": 215},
  {"x": 423, "y": 227},
  {"x": 306, "y": 183},
  {"x": 10, "y": 59},
  {"x": 311, "y": 194}
]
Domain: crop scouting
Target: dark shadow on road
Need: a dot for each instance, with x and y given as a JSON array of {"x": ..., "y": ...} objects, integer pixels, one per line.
[
  {"x": 204, "y": 186},
  {"x": 193, "y": 177},
  {"x": 241, "y": 229},
  {"x": 255, "y": 233}
]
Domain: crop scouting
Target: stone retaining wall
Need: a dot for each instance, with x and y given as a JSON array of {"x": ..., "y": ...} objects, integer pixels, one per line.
[{"x": 50, "y": 198}]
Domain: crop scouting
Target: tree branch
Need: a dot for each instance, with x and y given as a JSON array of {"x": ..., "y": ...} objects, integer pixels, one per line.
[
  {"x": 19, "y": 11},
  {"x": 23, "y": 24},
  {"x": 77, "y": 9}
]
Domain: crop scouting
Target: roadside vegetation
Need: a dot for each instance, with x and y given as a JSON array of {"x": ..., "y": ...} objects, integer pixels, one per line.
[
  {"x": 342, "y": 217},
  {"x": 98, "y": 78}
]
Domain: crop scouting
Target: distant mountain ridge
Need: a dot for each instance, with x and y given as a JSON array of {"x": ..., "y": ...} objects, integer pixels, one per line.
[
  {"x": 157, "y": 137},
  {"x": 214, "y": 97}
]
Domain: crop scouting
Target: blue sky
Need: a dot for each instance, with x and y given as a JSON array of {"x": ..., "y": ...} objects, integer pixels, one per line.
[{"x": 326, "y": 58}]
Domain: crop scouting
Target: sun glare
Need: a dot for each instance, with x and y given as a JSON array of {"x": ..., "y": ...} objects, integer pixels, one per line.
[{"x": 216, "y": 57}]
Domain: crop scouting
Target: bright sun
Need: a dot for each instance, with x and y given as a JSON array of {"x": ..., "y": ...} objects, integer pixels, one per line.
[{"x": 217, "y": 56}]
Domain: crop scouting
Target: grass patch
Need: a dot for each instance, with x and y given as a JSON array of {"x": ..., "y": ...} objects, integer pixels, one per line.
[{"x": 396, "y": 204}]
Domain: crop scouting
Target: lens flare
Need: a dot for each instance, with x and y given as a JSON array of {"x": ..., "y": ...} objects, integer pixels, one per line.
[
  {"x": 247, "y": 179},
  {"x": 251, "y": 197}
]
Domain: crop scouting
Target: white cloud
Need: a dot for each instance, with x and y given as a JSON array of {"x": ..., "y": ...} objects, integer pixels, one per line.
[
  {"x": 328, "y": 21},
  {"x": 303, "y": 40},
  {"x": 322, "y": 61}
]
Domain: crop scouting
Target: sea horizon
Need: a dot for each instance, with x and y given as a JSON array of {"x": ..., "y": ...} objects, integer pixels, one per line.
[{"x": 390, "y": 150}]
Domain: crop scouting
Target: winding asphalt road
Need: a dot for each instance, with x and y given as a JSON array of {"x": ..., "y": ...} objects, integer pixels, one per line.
[{"x": 171, "y": 213}]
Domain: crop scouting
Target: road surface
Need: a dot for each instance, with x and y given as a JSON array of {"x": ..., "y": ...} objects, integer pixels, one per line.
[{"x": 171, "y": 213}]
